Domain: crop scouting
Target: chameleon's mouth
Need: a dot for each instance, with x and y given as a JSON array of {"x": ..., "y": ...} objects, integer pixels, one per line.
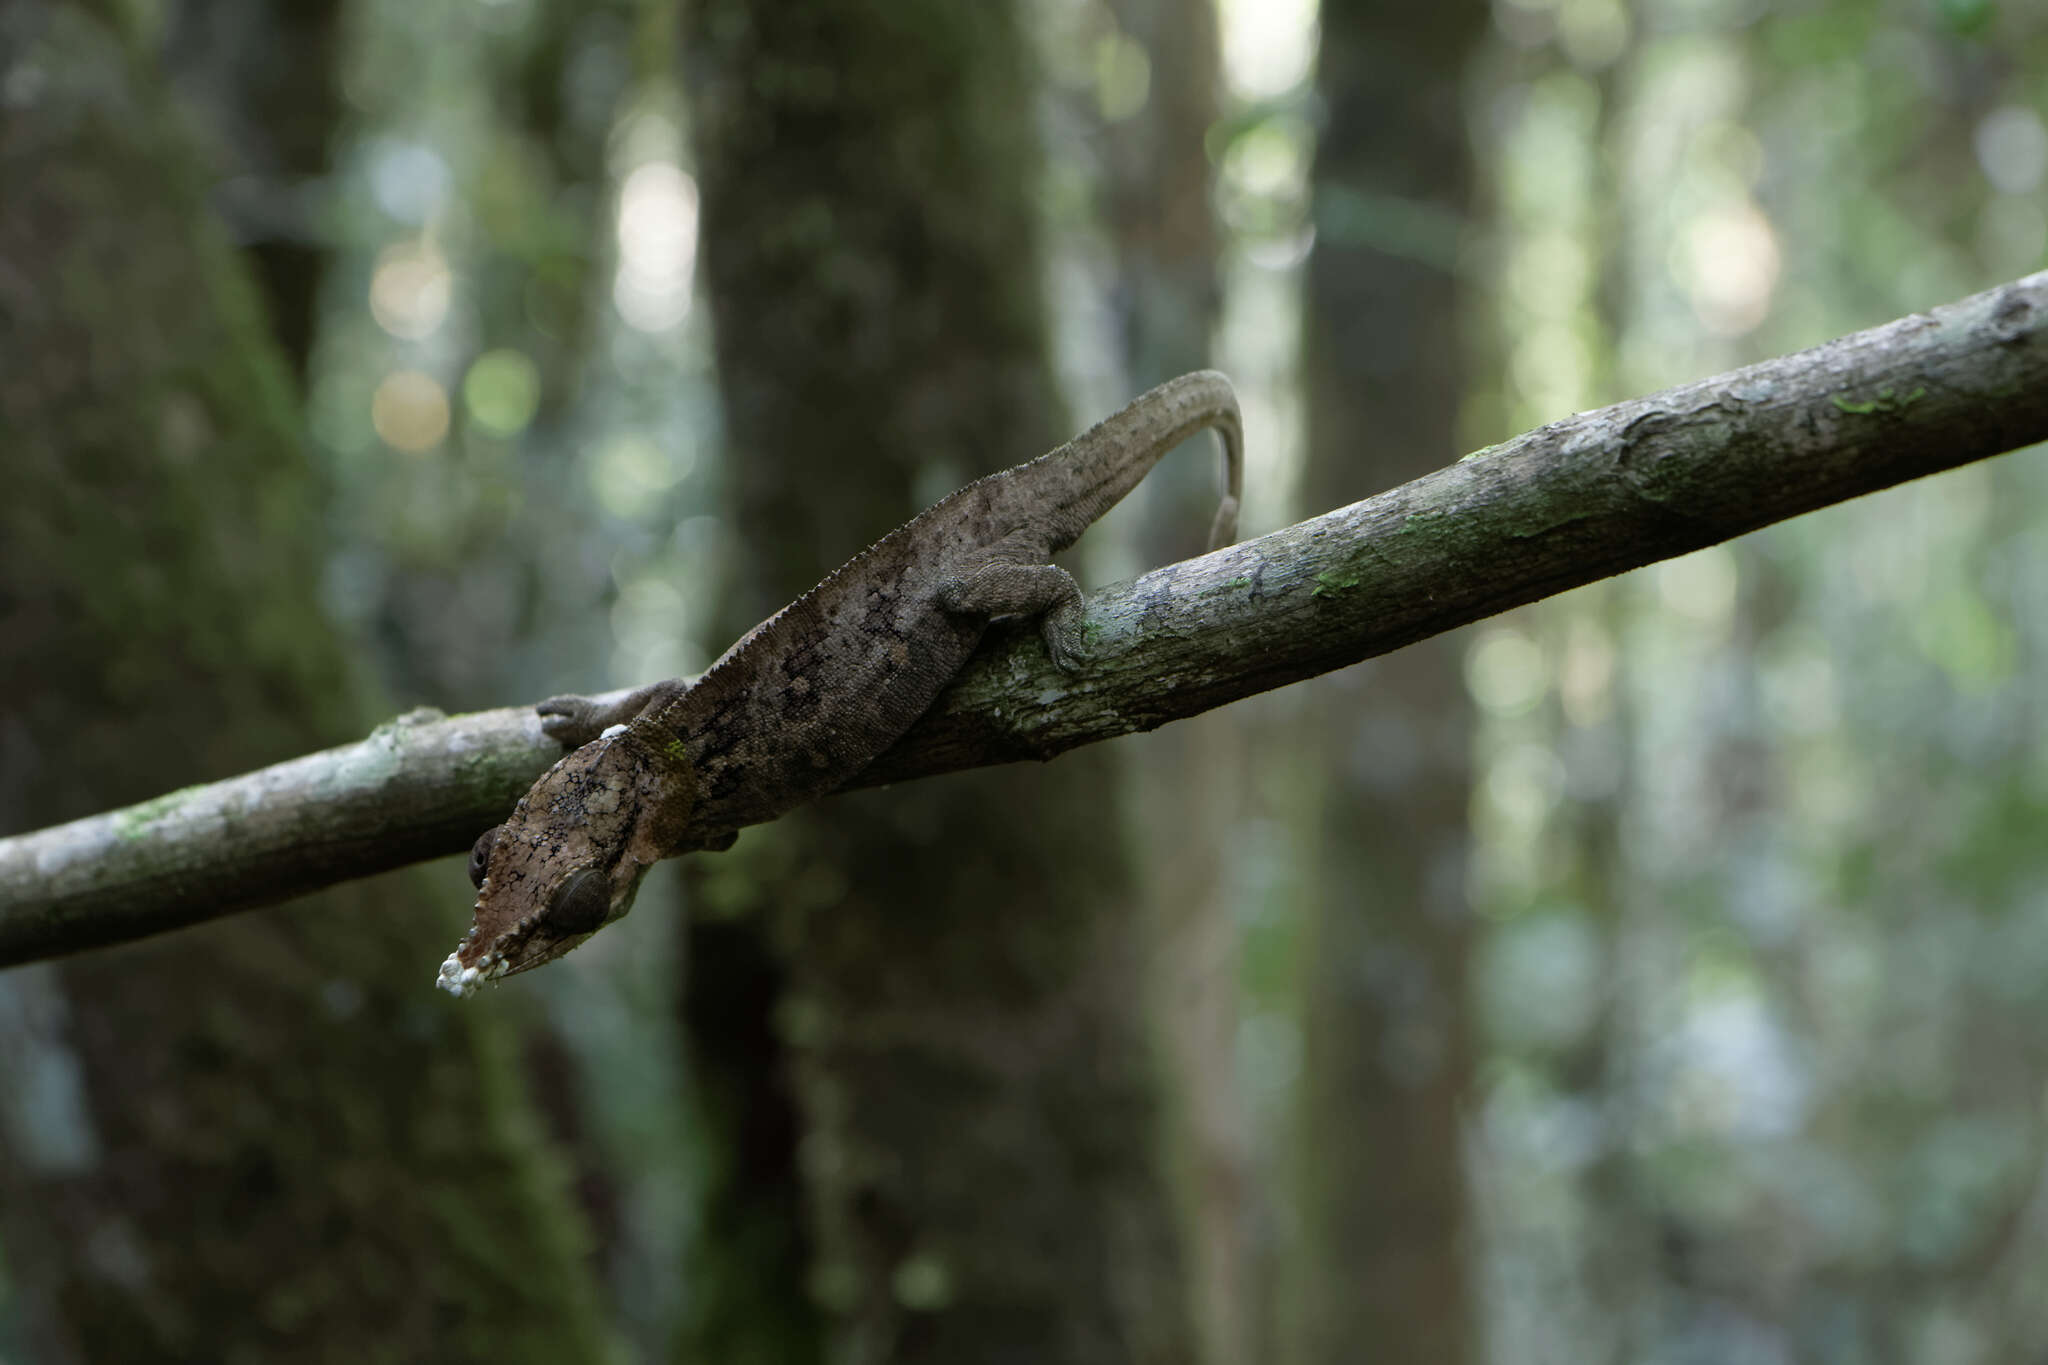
[
  {"x": 459, "y": 978},
  {"x": 466, "y": 971}
]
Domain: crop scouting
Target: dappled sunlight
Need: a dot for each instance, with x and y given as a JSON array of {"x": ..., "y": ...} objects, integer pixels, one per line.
[
  {"x": 1733, "y": 1071},
  {"x": 2012, "y": 147},
  {"x": 502, "y": 391},
  {"x": 410, "y": 289},
  {"x": 1700, "y": 587},
  {"x": 410, "y": 411},
  {"x": 1710, "y": 898},
  {"x": 1267, "y": 46},
  {"x": 409, "y": 180},
  {"x": 1586, "y": 675},
  {"x": 1123, "y": 77},
  {"x": 1505, "y": 671},
  {"x": 657, "y": 235},
  {"x": 632, "y": 471},
  {"x": 1729, "y": 263}
]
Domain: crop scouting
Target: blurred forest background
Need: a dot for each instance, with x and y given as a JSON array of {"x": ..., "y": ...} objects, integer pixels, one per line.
[{"x": 1653, "y": 974}]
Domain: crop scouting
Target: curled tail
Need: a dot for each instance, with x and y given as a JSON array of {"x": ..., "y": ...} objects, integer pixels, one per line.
[
  {"x": 1229, "y": 426},
  {"x": 1111, "y": 457},
  {"x": 1207, "y": 400}
]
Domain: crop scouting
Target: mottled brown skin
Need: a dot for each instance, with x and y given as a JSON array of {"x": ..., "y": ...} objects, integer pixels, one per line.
[{"x": 809, "y": 697}]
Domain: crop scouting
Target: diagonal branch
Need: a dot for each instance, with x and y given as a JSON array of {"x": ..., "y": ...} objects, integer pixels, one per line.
[{"x": 1578, "y": 500}]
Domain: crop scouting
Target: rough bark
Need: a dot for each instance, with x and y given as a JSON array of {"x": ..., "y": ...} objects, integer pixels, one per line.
[
  {"x": 1578, "y": 500},
  {"x": 262, "y": 1140},
  {"x": 1386, "y": 1043},
  {"x": 976, "y": 1093}
]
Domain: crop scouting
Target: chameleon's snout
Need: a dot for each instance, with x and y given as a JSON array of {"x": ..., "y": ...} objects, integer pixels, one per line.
[{"x": 459, "y": 980}]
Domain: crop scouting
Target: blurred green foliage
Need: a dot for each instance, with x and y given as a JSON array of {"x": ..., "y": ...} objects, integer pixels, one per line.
[
  {"x": 1762, "y": 820},
  {"x": 1757, "y": 832}
]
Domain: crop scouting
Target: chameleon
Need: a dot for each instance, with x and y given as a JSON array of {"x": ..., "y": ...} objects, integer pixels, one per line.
[{"x": 806, "y": 699}]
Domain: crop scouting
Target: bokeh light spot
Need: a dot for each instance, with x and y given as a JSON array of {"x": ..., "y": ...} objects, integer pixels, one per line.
[
  {"x": 1701, "y": 586},
  {"x": 1123, "y": 77},
  {"x": 631, "y": 473},
  {"x": 2012, "y": 147},
  {"x": 409, "y": 180},
  {"x": 657, "y": 246},
  {"x": 410, "y": 411},
  {"x": 1505, "y": 672},
  {"x": 1586, "y": 675},
  {"x": 1729, "y": 263},
  {"x": 502, "y": 391},
  {"x": 1960, "y": 632},
  {"x": 1594, "y": 32},
  {"x": 409, "y": 290},
  {"x": 1267, "y": 45}
]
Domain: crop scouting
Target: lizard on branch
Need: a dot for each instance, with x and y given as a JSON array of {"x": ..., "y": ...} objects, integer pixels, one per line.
[{"x": 805, "y": 700}]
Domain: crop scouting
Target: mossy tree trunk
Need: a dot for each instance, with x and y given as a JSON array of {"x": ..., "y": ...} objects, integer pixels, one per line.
[
  {"x": 1387, "y": 1050},
  {"x": 265, "y": 1138},
  {"x": 961, "y": 999}
]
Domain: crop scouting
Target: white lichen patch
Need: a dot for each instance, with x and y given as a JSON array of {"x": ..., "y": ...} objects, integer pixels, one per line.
[
  {"x": 455, "y": 978},
  {"x": 411, "y": 720},
  {"x": 459, "y": 980}
]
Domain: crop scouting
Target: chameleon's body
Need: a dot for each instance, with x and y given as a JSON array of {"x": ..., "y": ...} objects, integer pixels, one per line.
[{"x": 812, "y": 695}]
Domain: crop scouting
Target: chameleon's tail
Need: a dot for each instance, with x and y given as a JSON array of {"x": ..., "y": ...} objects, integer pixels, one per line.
[
  {"x": 1223, "y": 530},
  {"x": 1222, "y": 414},
  {"x": 1063, "y": 491}
]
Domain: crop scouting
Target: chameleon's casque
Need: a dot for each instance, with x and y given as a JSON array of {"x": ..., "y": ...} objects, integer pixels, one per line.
[{"x": 805, "y": 700}]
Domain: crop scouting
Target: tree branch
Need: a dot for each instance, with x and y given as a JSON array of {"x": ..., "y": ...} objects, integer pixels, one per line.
[{"x": 1575, "y": 501}]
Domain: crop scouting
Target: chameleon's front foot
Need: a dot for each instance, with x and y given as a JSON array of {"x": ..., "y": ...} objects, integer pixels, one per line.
[{"x": 573, "y": 721}]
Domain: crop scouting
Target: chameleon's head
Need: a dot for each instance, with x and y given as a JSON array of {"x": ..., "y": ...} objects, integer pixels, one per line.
[{"x": 571, "y": 857}]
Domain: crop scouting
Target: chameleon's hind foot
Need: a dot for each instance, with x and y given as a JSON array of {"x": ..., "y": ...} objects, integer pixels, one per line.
[
  {"x": 1063, "y": 635},
  {"x": 1005, "y": 587}
]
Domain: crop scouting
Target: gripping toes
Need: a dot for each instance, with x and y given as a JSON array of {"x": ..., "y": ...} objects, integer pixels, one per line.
[
  {"x": 1061, "y": 628},
  {"x": 1003, "y": 587},
  {"x": 571, "y": 721}
]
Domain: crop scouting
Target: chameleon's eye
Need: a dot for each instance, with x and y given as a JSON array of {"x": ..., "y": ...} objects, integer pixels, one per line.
[
  {"x": 480, "y": 855},
  {"x": 579, "y": 904}
]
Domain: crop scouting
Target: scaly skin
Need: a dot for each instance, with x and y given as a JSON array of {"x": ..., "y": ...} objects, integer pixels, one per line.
[{"x": 812, "y": 695}]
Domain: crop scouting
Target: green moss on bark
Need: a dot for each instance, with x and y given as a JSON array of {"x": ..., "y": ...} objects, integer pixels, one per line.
[
  {"x": 978, "y": 1097},
  {"x": 281, "y": 1143}
]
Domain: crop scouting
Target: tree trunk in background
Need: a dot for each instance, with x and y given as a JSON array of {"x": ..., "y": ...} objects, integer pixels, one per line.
[
  {"x": 261, "y": 80},
  {"x": 1387, "y": 1052},
  {"x": 266, "y": 1138},
  {"x": 963, "y": 995},
  {"x": 1185, "y": 782},
  {"x": 1621, "y": 1240},
  {"x": 1160, "y": 213}
]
